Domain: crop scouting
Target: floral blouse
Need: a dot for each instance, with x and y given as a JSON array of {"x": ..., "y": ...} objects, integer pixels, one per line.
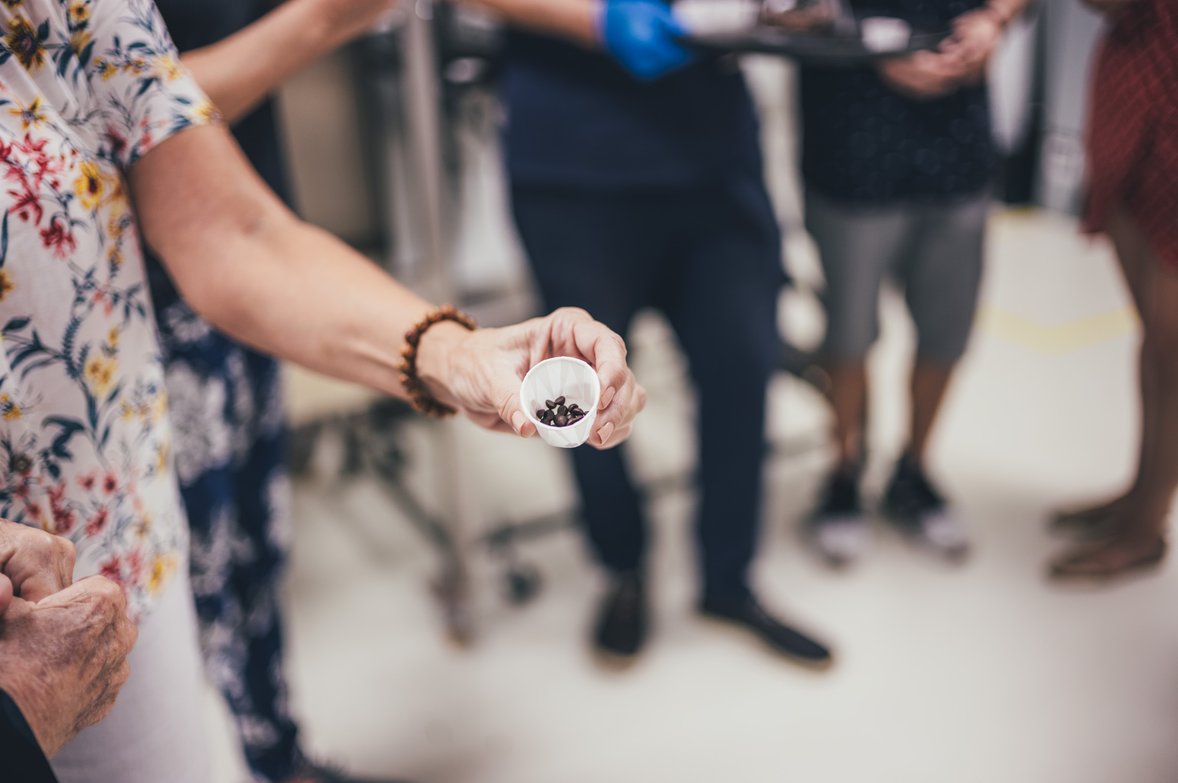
[{"x": 87, "y": 87}]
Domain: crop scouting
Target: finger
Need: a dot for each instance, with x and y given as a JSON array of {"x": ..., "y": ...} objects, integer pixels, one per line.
[
  {"x": 626, "y": 405},
  {"x": 599, "y": 345},
  {"x": 5, "y": 594},
  {"x": 513, "y": 416},
  {"x": 92, "y": 590},
  {"x": 526, "y": 428},
  {"x": 616, "y": 438},
  {"x": 614, "y": 378},
  {"x": 489, "y": 421},
  {"x": 619, "y": 437},
  {"x": 44, "y": 568}
]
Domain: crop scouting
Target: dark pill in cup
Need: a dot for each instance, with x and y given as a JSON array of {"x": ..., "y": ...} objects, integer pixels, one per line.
[{"x": 557, "y": 414}]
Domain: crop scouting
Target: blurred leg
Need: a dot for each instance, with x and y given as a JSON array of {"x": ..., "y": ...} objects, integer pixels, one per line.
[
  {"x": 1139, "y": 519},
  {"x": 856, "y": 247},
  {"x": 723, "y": 305},
  {"x": 1135, "y": 261},
  {"x": 599, "y": 250},
  {"x": 941, "y": 279},
  {"x": 940, "y": 271}
]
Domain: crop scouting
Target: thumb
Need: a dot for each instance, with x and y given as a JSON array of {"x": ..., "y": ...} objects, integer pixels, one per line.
[
  {"x": 5, "y": 593},
  {"x": 87, "y": 590},
  {"x": 512, "y": 413}
]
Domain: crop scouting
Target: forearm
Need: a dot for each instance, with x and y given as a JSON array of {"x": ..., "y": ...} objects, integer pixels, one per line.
[
  {"x": 576, "y": 20},
  {"x": 238, "y": 72},
  {"x": 301, "y": 294}
]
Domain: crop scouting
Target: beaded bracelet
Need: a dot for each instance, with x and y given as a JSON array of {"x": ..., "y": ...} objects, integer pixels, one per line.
[{"x": 419, "y": 396}]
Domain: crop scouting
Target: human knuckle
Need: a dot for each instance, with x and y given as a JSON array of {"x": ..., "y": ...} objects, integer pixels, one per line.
[
  {"x": 108, "y": 595},
  {"x": 64, "y": 548},
  {"x": 42, "y": 541},
  {"x": 576, "y": 313},
  {"x": 639, "y": 398}
]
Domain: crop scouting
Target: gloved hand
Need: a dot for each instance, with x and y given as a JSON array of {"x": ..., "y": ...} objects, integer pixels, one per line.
[{"x": 643, "y": 36}]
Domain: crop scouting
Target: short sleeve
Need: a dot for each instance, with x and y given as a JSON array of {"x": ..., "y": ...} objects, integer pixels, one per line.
[{"x": 142, "y": 94}]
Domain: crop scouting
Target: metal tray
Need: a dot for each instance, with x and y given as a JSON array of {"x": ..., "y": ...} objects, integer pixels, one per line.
[{"x": 819, "y": 49}]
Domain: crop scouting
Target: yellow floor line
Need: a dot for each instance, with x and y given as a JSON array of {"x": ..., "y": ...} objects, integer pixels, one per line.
[{"x": 1056, "y": 339}]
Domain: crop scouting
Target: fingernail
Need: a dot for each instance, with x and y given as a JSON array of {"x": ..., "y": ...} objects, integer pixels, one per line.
[
  {"x": 604, "y": 433},
  {"x": 608, "y": 397},
  {"x": 517, "y": 422}
]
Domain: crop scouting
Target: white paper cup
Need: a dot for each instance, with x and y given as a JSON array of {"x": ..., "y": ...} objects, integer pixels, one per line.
[
  {"x": 885, "y": 34},
  {"x": 577, "y": 382}
]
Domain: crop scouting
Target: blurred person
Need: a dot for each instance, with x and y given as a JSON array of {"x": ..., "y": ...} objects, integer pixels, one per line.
[
  {"x": 48, "y": 693},
  {"x": 636, "y": 182},
  {"x": 107, "y": 144},
  {"x": 897, "y": 159},
  {"x": 224, "y": 399},
  {"x": 1133, "y": 198}
]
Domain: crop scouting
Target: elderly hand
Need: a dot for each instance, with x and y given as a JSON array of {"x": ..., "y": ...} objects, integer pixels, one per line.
[
  {"x": 63, "y": 659},
  {"x": 33, "y": 563},
  {"x": 63, "y": 646},
  {"x": 643, "y": 36},
  {"x": 922, "y": 75},
  {"x": 480, "y": 372}
]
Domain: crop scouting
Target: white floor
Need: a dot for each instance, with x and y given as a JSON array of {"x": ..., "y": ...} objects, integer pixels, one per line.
[{"x": 984, "y": 673}]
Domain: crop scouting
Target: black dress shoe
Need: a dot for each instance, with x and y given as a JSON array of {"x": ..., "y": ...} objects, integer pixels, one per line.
[
  {"x": 621, "y": 627},
  {"x": 748, "y": 615}
]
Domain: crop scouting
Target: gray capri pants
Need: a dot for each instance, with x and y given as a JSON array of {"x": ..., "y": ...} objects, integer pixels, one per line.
[{"x": 932, "y": 251}]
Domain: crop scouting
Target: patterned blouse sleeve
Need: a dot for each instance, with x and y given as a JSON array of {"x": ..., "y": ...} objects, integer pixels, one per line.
[{"x": 142, "y": 94}]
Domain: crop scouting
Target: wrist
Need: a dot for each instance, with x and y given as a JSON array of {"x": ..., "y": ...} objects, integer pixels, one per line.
[
  {"x": 435, "y": 358},
  {"x": 22, "y": 694},
  {"x": 1002, "y": 13},
  {"x": 427, "y": 380}
]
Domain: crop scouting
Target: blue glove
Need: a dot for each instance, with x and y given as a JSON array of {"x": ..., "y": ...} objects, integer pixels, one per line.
[{"x": 643, "y": 36}]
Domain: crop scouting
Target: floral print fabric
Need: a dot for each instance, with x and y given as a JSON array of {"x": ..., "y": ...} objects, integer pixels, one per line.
[{"x": 87, "y": 87}]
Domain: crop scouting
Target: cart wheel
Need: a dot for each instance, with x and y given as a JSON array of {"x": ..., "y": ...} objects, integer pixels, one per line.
[{"x": 522, "y": 583}]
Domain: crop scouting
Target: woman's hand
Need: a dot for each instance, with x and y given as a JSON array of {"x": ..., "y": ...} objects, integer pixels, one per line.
[
  {"x": 480, "y": 372},
  {"x": 921, "y": 76},
  {"x": 976, "y": 35}
]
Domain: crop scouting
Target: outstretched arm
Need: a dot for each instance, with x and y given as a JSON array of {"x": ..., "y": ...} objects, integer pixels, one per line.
[{"x": 256, "y": 272}]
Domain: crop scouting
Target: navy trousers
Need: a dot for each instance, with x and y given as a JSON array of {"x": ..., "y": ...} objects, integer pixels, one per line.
[{"x": 708, "y": 256}]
